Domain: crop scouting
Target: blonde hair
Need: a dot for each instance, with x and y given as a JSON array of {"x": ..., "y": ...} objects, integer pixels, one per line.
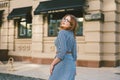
[{"x": 73, "y": 23}]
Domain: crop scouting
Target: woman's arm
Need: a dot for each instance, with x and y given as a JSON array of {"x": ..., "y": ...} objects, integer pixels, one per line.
[
  {"x": 62, "y": 49},
  {"x": 55, "y": 61}
]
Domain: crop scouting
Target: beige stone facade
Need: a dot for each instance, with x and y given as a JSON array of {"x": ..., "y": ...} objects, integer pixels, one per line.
[{"x": 99, "y": 45}]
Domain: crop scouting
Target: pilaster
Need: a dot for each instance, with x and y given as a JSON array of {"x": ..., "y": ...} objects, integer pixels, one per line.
[
  {"x": 93, "y": 36},
  {"x": 118, "y": 30},
  {"x": 110, "y": 46},
  {"x": 37, "y": 37},
  {"x": 11, "y": 35}
]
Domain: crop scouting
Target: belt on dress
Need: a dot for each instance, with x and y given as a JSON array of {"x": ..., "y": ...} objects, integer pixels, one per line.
[{"x": 66, "y": 52}]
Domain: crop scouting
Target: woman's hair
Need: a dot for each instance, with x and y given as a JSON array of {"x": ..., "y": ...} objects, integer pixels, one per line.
[{"x": 73, "y": 24}]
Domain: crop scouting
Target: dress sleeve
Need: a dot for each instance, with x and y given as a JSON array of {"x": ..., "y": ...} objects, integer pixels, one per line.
[
  {"x": 62, "y": 49},
  {"x": 74, "y": 51}
]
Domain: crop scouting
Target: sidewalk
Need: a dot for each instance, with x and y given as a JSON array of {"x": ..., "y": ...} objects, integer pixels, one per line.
[{"x": 42, "y": 71}]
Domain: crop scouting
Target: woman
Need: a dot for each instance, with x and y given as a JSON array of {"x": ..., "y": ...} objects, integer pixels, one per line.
[{"x": 63, "y": 66}]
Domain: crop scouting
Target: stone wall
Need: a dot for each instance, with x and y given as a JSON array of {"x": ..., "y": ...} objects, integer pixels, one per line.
[{"x": 99, "y": 45}]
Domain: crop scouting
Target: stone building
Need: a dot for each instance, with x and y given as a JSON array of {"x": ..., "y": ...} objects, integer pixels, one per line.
[{"x": 28, "y": 29}]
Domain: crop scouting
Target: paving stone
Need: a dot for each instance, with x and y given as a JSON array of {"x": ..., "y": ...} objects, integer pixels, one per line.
[{"x": 42, "y": 72}]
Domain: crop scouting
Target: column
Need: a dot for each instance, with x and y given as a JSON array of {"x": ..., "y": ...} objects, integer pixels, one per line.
[
  {"x": 118, "y": 31},
  {"x": 110, "y": 32},
  {"x": 37, "y": 36},
  {"x": 93, "y": 36}
]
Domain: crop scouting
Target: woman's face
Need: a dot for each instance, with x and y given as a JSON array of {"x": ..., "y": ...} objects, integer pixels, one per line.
[{"x": 66, "y": 22}]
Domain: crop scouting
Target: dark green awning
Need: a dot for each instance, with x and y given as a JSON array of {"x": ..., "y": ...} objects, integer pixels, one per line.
[
  {"x": 57, "y": 5},
  {"x": 19, "y": 12}
]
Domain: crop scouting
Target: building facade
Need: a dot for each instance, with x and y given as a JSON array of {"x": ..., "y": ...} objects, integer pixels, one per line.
[{"x": 28, "y": 29}]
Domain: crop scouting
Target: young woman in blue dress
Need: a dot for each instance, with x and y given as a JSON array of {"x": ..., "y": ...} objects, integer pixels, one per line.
[{"x": 63, "y": 66}]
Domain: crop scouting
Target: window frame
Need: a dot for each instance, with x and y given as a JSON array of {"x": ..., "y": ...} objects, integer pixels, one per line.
[{"x": 26, "y": 29}]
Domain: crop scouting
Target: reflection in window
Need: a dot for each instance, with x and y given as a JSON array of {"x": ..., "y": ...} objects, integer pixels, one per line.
[
  {"x": 79, "y": 30},
  {"x": 54, "y": 22},
  {"x": 24, "y": 29},
  {"x": 53, "y": 27}
]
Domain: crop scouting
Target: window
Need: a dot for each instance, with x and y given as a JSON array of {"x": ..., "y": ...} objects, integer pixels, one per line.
[
  {"x": 24, "y": 29},
  {"x": 54, "y": 22},
  {"x": 79, "y": 30},
  {"x": 53, "y": 26}
]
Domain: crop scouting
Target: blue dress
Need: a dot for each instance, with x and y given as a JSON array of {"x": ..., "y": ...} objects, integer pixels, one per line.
[{"x": 66, "y": 68}]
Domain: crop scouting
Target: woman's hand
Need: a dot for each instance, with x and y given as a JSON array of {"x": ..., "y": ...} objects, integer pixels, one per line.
[
  {"x": 51, "y": 69},
  {"x": 55, "y": 61}
]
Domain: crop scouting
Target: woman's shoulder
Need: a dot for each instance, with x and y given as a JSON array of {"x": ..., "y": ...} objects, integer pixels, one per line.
[
  {"x": 63, "y": 31},
  {"x": 66, "y": 33}
]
